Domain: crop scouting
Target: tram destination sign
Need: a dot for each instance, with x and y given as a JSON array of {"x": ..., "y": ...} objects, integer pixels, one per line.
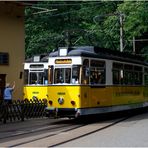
[{"x": 63, "y": 61}]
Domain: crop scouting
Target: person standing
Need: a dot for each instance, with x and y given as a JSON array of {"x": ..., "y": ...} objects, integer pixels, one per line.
[{"x": 8, "y": 92}]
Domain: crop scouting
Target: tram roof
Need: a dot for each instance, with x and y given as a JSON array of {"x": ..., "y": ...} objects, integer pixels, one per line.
[
  {"x": 97, "y": 52},
  {"x": 42, "y": 58}
]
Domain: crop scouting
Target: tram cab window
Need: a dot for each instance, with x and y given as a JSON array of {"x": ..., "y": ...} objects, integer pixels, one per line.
[
  {"x": 26, "y": 72},
  {"x": 85, "y": 75},
  {"x": 62, "y": 75},
  {"x": 36, "y": 78},
  {"x": 45, "y": 76},
  {"x": 75, "y": 74},
  {"x": 97, "y": 72},
  {"x": 33, "y": 78},
  {"x": 50, "y": 74},
  {"x": 85, "y": 72}
]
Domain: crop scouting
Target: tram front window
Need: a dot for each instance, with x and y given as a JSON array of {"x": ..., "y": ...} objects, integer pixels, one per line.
[
  {"x": 75, "y": 74},
  {"x": 36, "y": 78},
  {"x": 62, "y": 75}
]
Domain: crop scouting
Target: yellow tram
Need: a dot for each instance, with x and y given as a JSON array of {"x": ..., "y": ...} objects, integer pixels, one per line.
[
  {"x": 36, "y": 77},
  {"x": 90, "y": 80}
]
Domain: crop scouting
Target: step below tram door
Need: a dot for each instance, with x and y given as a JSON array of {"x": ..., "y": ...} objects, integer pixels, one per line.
[{"x": 2, "y": 85}]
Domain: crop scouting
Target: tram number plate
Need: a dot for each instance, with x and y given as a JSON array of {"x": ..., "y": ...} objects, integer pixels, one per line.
[{"x": 61, "y": 93}]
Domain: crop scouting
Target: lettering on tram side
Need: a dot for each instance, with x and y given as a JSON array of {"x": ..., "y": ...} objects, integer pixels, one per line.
[{"x": 127, "y": 93}]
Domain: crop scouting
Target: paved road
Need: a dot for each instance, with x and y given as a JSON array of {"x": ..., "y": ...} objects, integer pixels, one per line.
[{"x": 130, "y": 133}]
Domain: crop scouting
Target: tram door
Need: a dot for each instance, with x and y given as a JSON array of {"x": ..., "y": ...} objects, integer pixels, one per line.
[{"x": 2, "y": 84}]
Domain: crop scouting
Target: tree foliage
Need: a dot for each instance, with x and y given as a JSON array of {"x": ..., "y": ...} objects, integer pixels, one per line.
[{"x": 83, "y": 23}]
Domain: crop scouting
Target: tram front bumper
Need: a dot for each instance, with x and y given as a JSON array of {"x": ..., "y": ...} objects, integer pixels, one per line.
[{"x": 62, "y": 112}]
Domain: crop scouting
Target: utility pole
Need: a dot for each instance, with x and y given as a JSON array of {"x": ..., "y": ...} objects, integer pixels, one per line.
[
  {"x": 121, "y": 31},
  {"x": 121, "y": 17},
  {"x": 134, "y": 47}
]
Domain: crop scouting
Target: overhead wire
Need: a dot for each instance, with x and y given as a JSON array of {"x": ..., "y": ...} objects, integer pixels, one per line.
[
  {"x": 73, "y": 11},
  {"x": 68, "y": 4}
]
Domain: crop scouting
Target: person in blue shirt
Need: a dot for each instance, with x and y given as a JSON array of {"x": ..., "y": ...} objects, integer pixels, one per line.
[{"x": 8, "y": 93}]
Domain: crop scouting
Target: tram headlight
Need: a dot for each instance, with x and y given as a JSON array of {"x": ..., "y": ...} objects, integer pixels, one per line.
[
  {"x": 61, "y": 101},
  {"x": 44, "y": 100},
  {"x": 50, "y": 102},
  {"x": 73, "y": 102}
]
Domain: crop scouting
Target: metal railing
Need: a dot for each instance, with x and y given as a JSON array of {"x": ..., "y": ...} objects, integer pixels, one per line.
[{"x": 21, "y": 110}]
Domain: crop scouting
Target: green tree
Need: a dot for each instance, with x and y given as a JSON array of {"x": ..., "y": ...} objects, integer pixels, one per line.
[{"x": 75, "y": 23}]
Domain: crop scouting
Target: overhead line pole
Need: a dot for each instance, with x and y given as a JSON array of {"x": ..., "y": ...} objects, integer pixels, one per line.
[
  {"x": 121, "y": 16},
  {"x": 134, "y": 47},
  {"x": 121, "y": 31}
]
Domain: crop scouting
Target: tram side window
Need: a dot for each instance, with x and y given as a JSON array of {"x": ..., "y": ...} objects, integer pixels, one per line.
[
  {"x": 128, "y": 74},
  {"x": 116, "y": 77},
  {"x": 146, "y": 76},
  {"x": 137, "y": 75},
  {"x": 97, "y": 72},
  {"x": 146, "y": 79},
  {"x": 97, "y": 76},
  {"x": 117, "y": 73}
]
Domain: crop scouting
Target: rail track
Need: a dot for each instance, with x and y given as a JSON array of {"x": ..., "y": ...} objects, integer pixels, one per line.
[{"x": 51, "y": 133}]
